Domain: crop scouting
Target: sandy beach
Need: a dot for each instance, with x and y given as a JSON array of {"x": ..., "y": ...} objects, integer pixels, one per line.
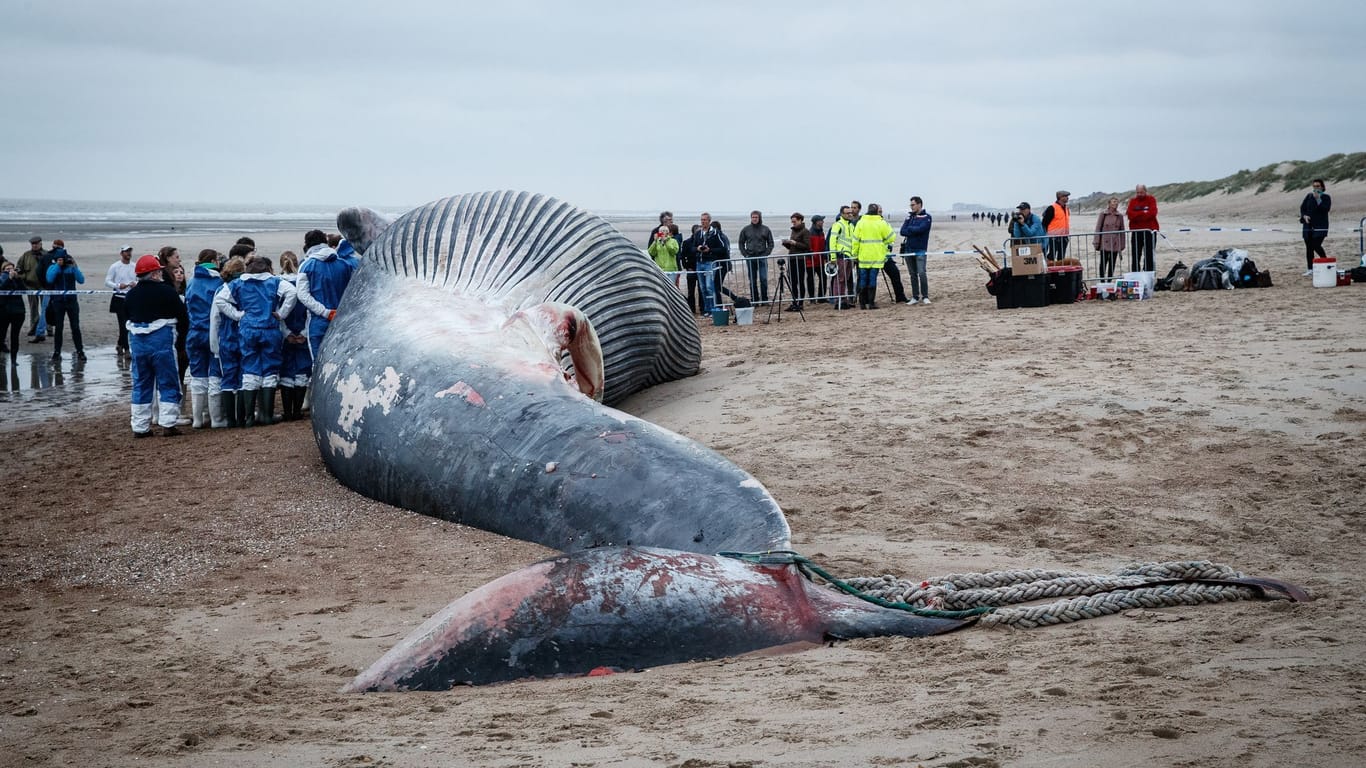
[{"x": 200, "y": 600}]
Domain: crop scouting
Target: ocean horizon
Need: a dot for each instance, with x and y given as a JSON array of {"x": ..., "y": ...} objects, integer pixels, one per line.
[{"x": 21, "y": 218}]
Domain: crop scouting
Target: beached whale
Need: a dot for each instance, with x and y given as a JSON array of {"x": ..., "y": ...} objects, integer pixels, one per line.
[
  {"x": 626, "y": 609},
  {"x": 462, "y": 374},
  {"x": 469, "y": 374}
]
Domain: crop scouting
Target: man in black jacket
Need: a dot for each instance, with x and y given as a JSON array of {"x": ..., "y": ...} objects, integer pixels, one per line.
[{"x": 756, "y": 244}]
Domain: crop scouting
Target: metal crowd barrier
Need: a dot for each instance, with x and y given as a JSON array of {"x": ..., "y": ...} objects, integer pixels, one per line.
[{"x": 1082, "y": 248}]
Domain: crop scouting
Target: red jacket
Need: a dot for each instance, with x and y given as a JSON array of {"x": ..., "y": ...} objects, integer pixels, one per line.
[{"x": 1142, "y": 212}]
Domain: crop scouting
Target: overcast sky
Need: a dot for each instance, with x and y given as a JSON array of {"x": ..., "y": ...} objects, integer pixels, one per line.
[{"x": 642, "y": 105}]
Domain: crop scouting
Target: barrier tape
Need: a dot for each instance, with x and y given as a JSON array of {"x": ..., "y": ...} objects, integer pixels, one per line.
[
  {"x": 82, "y": 292},
  {"x": 1252, "y": 229}
]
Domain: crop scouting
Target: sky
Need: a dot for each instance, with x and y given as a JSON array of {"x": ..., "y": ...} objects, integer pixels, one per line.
[{"x": 643, "y": 106}]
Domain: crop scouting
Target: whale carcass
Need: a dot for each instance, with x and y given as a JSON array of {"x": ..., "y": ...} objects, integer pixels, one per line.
[
  {"x": 462, "y": 374},
  {"x": 469, "y": 375}
]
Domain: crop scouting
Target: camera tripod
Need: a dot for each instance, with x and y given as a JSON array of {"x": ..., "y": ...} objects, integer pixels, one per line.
[{"x": 783, "y": 279}]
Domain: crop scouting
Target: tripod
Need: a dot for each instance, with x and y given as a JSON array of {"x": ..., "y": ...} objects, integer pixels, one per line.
[{"x": 778, "y": 295}]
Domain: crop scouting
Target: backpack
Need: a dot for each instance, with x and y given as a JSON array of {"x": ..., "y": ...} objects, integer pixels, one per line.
[
  {"x": 1169, "y": 283},
  {"x": 1210, "y": 275}
]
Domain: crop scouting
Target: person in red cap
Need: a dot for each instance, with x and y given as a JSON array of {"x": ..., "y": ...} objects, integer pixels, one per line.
[{"x": 154, "y": 312}]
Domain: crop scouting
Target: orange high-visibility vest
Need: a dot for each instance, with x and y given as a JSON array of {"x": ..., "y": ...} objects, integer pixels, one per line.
[{"x": 1061, "y": 222}]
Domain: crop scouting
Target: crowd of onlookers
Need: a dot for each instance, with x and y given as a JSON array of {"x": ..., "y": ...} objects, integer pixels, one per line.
[
  {"x": 240, "y": 330},
  {"x": 839, "y": 267}
]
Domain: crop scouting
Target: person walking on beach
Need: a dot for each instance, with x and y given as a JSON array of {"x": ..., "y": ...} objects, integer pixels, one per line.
[
  {"x": 154, "y": 312},
  {"x": 756, "y": 245},
  {"x": 1109, "y": 238},
  {"x": 873, "y": 239},
  {"x": 119, "y": 279},
  {"x": 1057, "y": 223},
  {"x": 916, "y": 230},
  {"x": 1142, "y": 214},
  {"x": 33, "y": 265},
  {"x": 1314, "y": 218},
  {"x": 64, "y": 275},
  {"x": 323, "y": 278}
]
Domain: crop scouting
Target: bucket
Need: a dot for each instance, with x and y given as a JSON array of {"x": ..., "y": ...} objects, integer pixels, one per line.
[
  {"x": 1325, "y": 273},
  {"x": 721, "y": 316},
  {"x": 744, "y": 315}
]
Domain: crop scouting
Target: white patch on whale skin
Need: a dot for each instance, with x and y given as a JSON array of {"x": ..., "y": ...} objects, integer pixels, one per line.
[
  {"x": 355, "y": 397},
  {"x": 340, "y": 445}
]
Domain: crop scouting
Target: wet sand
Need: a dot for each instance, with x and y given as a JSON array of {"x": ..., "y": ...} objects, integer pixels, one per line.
[{"x": 200, "y": 600}]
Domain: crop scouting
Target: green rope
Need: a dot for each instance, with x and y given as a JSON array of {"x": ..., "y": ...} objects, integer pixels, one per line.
[{"x": 810, "y": 570}]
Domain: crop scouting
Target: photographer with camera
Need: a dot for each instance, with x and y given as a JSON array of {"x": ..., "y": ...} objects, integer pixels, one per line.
[
  {"x": 64, "y": 275},
  {"x": 664, "y": 251},
  {"x": 1025, "y": 227}
]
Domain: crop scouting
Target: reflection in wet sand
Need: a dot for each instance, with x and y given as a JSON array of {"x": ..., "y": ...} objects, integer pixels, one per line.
[{"x": 63, "y": 386}]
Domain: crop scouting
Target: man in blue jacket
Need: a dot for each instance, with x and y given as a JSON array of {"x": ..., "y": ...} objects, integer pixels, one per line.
[
  {"x": 916, "y": 230},
  {"x": 1025, "y": 227},
  {"x": 64, "y": 275}
]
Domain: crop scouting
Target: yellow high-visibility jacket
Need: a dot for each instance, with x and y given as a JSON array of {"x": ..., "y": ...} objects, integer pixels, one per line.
[
  {"x": 841, "y": 239},
  {"x": 873, "y": 240}
]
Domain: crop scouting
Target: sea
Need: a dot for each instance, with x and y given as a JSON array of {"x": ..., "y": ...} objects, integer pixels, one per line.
[{"x": 88, "y": 219}]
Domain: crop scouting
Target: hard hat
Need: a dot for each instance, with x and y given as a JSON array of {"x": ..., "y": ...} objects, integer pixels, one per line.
[{"x": 146, "y": 264}]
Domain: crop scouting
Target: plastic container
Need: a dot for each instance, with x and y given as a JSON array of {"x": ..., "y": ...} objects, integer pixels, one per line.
[
  {"x": 1064, "y": 284},
  {"x": 1028, "y": 290},
  {"x": 1325, "y": 273},
  {"x": 1344, "y": 277},
  {"x": 744, "y": 315},
  {"x": 720, "y": 316},
  {"x": 1148, "y": 279}
]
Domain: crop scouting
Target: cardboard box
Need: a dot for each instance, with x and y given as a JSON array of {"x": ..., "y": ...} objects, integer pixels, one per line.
[{"x": 1027, "y": 259}]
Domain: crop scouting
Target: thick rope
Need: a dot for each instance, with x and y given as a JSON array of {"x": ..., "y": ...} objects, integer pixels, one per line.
[{"x": 999, "y": 597}]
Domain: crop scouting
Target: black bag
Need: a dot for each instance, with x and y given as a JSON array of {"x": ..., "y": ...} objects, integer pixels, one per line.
[
  {"x": 1247, "y": 276},
  {"x": 1210, "y": 275},
  {"x": 1165, "y": 284},
  {"x": 1358, "y": 274}
]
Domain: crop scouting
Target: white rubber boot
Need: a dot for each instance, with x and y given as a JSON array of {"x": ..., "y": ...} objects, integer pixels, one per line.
[{"x": 217, "y": 418}]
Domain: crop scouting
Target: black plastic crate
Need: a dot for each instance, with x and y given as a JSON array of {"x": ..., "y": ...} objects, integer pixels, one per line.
[
  {"x": 1064, "y": 285},
  {"x": 1028, "y": 291}
]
